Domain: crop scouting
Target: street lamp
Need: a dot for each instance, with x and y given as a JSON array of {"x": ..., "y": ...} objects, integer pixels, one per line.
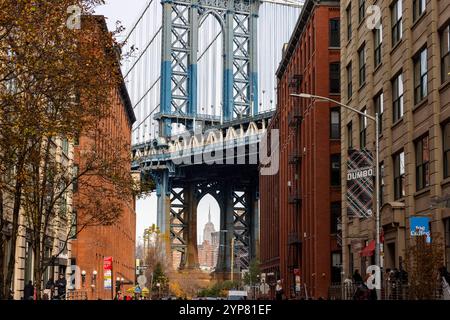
[
  {"x": 232, "y": 255},
  {"x": 94, "y": 282},
  {"x": 159, "y": 289},
  {"x": 83, "y": 278},
  {"x": 377, "y": 151}
]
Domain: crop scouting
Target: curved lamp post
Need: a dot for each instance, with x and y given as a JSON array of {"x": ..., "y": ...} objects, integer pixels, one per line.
[{"x": 377, "y": 151}]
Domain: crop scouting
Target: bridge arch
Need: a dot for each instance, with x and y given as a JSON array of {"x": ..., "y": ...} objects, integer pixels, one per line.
[
  {"x": 208, "y": 232},
  {"x": 210, "y": 63}
]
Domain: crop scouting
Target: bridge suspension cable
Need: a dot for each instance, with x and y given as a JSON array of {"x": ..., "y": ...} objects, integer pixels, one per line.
[
  {"x": 138, "y": 20},
  {"x": 159, "y": 78},
  {"x": 143, "y": 52},
  {"x": 288, "y": 3}
]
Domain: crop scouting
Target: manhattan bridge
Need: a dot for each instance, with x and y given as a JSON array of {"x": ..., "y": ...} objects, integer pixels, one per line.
[{"x": 202, "y": 82}]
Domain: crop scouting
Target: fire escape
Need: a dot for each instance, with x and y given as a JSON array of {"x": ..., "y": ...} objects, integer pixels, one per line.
[
  {"x": 339, "y": 232},
  {"x": 294, "y": 197}
]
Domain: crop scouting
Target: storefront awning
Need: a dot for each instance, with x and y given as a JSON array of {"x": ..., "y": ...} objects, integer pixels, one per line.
[{"x": 368, "y": 250}]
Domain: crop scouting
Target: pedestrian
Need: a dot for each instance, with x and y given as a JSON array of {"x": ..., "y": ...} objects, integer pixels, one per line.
[
  {"x": 444, "y": 274},
  {"x": 279, "y": 291},
  {"x": 28, "y": 291},
  {"x": 370, "y": 283},
  {"x": 48, "y": 291},
  {"x": 445, "y": 279},
  {"x": 118, "y": 296},
  {"x": 61, "y": 287},
  {"x": 357, "y": 278}
]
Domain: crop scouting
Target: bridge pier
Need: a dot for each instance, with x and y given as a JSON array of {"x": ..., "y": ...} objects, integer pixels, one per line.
[{"x": 234, "y": 188}]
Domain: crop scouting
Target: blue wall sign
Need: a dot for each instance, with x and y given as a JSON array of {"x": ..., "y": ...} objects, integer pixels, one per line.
[{"x": 420, "y": 226}]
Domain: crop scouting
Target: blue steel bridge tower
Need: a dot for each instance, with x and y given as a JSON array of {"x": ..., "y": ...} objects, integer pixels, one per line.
[
  {"x": 241, "y": 125},
  {"x": 181, "y": 20}
]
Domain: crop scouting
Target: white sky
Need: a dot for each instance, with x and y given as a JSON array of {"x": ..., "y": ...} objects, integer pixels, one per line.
[{"x": 127, "y": 12}]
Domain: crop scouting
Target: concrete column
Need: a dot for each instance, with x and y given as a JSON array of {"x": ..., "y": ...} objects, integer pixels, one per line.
[
  {"x": 226, "y": 224},
  {"x": 191, "y": 229},
  {"x": 254, "y": 224},
  {"x": 163, "y": 208}
]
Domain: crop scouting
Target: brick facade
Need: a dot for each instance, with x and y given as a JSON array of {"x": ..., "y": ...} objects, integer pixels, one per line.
[
  {"x": 302, "y": 189},
  {"x": 95, "y": 243}
]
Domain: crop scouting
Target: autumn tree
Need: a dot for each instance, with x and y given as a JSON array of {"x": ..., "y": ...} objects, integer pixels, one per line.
[
  {"x": 56, "y": 84},
  {"x": 423, "y": 261},
  {"x": 252, "y": 276}
]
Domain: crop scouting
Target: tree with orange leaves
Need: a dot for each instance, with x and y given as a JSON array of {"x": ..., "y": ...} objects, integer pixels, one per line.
[{"x": 57, "y": 73}]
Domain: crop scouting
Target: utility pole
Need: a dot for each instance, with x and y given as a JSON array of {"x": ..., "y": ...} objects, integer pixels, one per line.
[{"x": 232, "y": 259}]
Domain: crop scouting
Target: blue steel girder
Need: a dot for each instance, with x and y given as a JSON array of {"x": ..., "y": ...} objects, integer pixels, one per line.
[{"x": 179, "y": 58}]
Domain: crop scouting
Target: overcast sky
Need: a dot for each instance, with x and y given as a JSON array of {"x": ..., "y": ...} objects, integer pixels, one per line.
[{"x": 127, "y": 12}]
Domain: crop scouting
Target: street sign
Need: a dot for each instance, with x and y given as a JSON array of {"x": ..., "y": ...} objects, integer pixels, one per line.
[
  {"x": 107, "y": 263},
  {"x": 142, "y": 280},
  {"x": 360, "y": 184},
  {"x": 107, "y": 283},
  {"x": 420, "y": 226}
]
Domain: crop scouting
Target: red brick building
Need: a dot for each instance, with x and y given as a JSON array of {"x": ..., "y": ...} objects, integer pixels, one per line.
[
  {"x": 94, "y": 243},
  {"x": 300, "y": 206}
]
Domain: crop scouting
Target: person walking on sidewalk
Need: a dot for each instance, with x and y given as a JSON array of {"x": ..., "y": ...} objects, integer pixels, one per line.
[
  {"x": 279, "y": 291},
  {"x": 28, "y": 291}
]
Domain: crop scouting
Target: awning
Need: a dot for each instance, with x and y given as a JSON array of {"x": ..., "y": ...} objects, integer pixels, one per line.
[{"x": 368, "y": 250}]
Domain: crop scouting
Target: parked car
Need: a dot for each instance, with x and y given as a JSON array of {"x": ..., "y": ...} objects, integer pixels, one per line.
[{"x": 237, "y": 295}]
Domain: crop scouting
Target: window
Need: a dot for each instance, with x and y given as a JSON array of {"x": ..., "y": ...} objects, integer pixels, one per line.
[
  {"x": 349, "y": 81},
  {"x": 362, "y": 129},
  {"x": 418, "y": 8},
  {"x": 422, "y": 163},
  {"x": 76, "y": 139},
  {"x": 362, "y": 65},
  {"x": 335, "y": 33},
  {"x": 335, "y": 77},
  {"x": 396, "y": 13},
  {"x": 349, "y": 21},
  {"x": 362, "y": 10},
  {"x": 350, "y": 135},
  {"x": 399, "y": 175},
  {"x": 73, "y": 226},
  {"x": 335, "y": 211},
  {"x": 28, "y": 261},
  {"x": 335, "y": 121},
  {"x": 420, "y": 76},
  {"x": 75, "y": 178},
  {"x": 378, "y": 39},
  {"x": 397, "y": 97},
  {"x": 446, "y": 138},
  {"x": 445, "y": 54},
  {"x": 447, "y": 242},
  {"x": 379, "y": 107},
  {"x": 336, "y": 267},
  {"x": 65, "y": 146},
  {"x": 336, "y": 170},
  {"x": 382, "y": 183}
]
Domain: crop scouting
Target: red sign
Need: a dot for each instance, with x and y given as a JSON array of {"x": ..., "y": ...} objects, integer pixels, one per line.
[{"x": 107, "y": 263}]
